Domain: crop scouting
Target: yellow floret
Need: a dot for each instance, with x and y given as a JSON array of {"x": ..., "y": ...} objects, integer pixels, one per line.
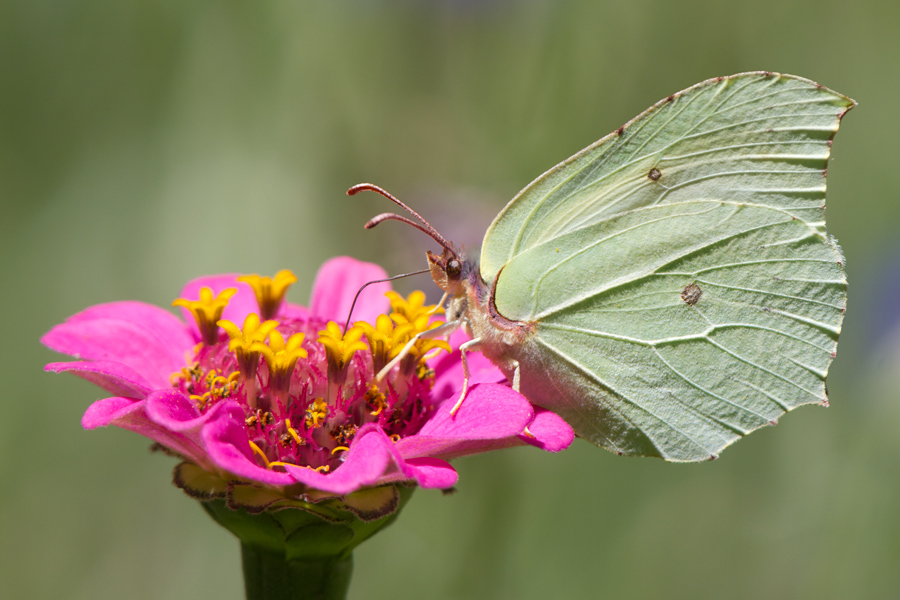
[
  {"x": 269, "y": 292},
  {"x": 207, "y": 311}
]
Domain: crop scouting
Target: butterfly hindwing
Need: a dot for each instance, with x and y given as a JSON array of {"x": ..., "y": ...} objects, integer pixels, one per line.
[{"x": 683, "y": 287}]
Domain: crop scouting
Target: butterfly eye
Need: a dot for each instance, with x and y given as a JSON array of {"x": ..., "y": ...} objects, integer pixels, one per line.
[{"x": 454, "y": 269}]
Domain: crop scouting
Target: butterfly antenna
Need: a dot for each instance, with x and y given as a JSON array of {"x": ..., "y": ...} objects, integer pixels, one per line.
[
  {"x": 367, "y": 284},
  {"x": 425, "y": 228},
  {"x": 393, "y": 217}
]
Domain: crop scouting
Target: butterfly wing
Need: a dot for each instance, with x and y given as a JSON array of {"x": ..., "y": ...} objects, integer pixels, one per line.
[{"x": 683, "y": 288}]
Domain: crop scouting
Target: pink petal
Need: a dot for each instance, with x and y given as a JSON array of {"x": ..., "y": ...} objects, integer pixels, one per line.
[
  {"x": 336, "y": 284},
  {"x": 490, "y": 415},
  {"x": 134, "y": 345},
  {"x": 293, "y": 311},
  {"x": 427, "y": 471},
  {"x": 103, "y": 412},
  {"x": 239, "y": 306},
  {"x": 165, "y": 326},
  {"x": 366, "y": 462},
  {"x": 433, "y": 472},
  {"x": 489, "y": 411},
  {"x": 131, "y": 415},
  {"x": 113, "y": 377},
  {"x": 550, "y": 432},
  {"x": 449, "y": 372},
  {"x": 225, "y": 439},
  {"x": 175, "y": 411}
]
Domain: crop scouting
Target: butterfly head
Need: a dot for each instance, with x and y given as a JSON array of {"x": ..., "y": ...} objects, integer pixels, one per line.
[{"x": 449, "y": 270}]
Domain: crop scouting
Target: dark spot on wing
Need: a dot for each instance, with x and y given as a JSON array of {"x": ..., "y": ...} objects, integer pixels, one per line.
[
  {"x": 620, "y": 130},
  {"x": 691, "y": 293},
  {"x": 670, "y": 98},
  {"x": 654, "y": 174}
]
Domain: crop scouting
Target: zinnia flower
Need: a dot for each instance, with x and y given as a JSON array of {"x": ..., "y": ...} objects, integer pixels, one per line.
[{"x": 274, "y": 405}]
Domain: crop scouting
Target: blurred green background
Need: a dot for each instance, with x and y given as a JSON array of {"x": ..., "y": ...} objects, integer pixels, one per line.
[{"x": 144, "y": 143}]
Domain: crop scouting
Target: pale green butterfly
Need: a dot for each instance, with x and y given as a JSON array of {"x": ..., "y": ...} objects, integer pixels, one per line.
[{"x": 671, "y": 287}]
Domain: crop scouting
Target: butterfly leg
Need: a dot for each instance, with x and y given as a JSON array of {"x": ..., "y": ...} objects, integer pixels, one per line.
[
  {"x": 516, "y": 374},
  {"x": 470, "y": 345},
  {"x": 516, "y": 380}
]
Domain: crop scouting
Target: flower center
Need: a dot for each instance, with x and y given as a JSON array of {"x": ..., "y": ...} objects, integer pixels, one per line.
[{"x": 306, "y": 388}]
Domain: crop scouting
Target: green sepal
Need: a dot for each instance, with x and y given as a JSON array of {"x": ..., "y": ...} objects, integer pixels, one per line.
[
  {"x": 330, "y": 529},
  {"x": 198, "y": 483}
]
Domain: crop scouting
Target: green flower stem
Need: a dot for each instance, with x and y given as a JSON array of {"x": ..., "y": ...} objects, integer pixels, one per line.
[
  {"x": 297, "y": 550},
  {"x": 271, "y": 576}
]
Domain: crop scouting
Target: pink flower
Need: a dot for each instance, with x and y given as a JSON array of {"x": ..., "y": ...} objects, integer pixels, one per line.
[{"x": 302, "y": 416}]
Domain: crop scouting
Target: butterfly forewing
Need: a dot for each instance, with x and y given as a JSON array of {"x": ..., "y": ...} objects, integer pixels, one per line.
[{"x": 683, "y": 286}]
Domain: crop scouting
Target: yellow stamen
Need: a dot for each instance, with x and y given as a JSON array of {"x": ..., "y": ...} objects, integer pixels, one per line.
[
  {"x": 323, "y": 469},
  {"x": 395, "y": 438},
  {"x": 344, "y": 434},
  {"x": 340, "y": 449},
  {"x": 269, "y": 292},
  {"x": 423, "y": 372},
  {"x": 262, "y": 454},
  {"x": 316, "y": 413},
  {"x": 278, "y": 463},
  {"x": 293, "y": 433},
  {"x": 375, "y": 398},
  {"x": 207, "y": 311}
]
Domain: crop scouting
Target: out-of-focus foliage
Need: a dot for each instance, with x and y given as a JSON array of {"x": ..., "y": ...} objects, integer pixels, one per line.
[{"x": 144, "y": 143}]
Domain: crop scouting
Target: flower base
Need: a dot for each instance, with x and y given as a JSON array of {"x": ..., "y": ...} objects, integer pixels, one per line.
[{"x": 303, "y": 551}]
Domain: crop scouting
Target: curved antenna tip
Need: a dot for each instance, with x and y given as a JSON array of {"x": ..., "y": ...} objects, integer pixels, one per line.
[{"x": 362, "y": 187}]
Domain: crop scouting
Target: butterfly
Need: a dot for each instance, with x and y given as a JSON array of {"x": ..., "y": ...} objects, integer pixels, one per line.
[{"x": 670, "y": 288}]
